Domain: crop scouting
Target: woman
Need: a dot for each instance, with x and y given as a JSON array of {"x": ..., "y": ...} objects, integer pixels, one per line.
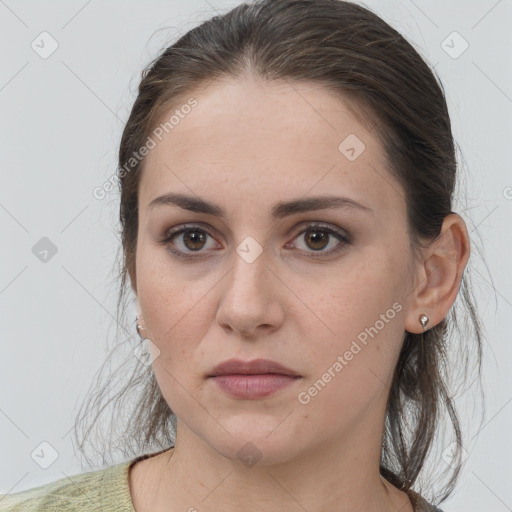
[{"x": 286, "y": 180}]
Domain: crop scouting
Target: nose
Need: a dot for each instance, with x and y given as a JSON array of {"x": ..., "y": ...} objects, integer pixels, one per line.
[{"x": 250, "y": 302}]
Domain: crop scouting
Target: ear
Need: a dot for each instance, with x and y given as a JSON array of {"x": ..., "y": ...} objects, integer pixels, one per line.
[{"x": 439, "y": 274}]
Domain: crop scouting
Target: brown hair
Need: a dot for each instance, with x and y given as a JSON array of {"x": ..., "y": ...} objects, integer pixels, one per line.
[{"x": 356, "y": 55}]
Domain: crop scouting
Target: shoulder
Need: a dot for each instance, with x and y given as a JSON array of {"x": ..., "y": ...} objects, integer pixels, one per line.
[{"x": 99, "y": 490}]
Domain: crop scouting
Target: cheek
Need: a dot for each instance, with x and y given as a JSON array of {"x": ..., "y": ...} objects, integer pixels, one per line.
[
  {"x": 166, "y": 293},
  {"x": 351, "y": 368},
  {"x": 169, "y": 306},
  {"x": 364, "y": 313},
  {"x": 356, "y": 299}
]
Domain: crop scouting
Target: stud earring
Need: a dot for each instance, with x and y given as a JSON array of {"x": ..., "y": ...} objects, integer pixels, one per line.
[
  {"x": 139, "y": 327},
  {"x": 423, "y": 319}
]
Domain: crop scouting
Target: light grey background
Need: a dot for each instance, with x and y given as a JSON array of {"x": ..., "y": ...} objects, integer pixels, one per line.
[{"x": 61, "y": 120}]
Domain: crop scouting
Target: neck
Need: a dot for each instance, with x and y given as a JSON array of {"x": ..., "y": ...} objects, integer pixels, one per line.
[{"x": 194, "y": 476}]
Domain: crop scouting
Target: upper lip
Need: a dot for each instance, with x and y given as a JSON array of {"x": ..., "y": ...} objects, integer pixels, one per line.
[{"x": 256, "y": 366}]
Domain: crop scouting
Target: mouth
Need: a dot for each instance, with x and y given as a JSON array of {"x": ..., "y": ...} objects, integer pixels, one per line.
[{"x": 254, "y": 379}]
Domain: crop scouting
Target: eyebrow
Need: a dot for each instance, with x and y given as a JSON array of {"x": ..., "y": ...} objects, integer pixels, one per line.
[{"x": 279, "y": 210}]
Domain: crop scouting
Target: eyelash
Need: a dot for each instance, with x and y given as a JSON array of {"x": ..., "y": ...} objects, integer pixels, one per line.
[{"x": 171, "y": 235}]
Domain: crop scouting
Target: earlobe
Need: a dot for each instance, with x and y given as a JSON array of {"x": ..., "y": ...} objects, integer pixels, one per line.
[
  {"x": 139, "y": 327},
  {"x": 440, "y": 274},
  {"x": 139, "y": 322}
]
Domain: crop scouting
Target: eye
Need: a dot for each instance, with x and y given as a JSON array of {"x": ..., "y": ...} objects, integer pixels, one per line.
[
  {"x": 318, "y": 237},
  {"x": 186, "y": 240}
]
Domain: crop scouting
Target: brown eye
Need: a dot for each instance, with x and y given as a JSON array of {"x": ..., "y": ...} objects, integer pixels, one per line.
[
  {"x": 317, "y": 237},
  {"x": 194, "y": 239},
  {"x": 317, "y": 240},
  {"x": 186, "y": 240}
]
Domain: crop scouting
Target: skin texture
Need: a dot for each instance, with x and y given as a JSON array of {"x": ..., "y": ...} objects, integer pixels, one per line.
[{"x": 246, "y": 146}]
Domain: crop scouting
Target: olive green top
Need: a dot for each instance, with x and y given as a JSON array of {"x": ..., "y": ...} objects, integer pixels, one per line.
[{"x": 103, "y": 490}]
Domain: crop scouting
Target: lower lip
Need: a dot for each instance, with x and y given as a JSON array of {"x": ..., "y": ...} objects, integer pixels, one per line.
[{"x": 253, "y": 386}]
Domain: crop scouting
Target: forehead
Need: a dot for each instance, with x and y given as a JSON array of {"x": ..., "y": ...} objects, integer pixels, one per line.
[{"x": 267, "y": 139}]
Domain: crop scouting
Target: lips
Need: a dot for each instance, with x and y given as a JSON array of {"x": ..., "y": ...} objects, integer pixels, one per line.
[
  {"x": 250, "y": 380},
  {"x": 254, "y": 367}
]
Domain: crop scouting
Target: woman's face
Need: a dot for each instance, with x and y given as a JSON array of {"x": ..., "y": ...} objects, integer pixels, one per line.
[{"x": 327, "y": 300}]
